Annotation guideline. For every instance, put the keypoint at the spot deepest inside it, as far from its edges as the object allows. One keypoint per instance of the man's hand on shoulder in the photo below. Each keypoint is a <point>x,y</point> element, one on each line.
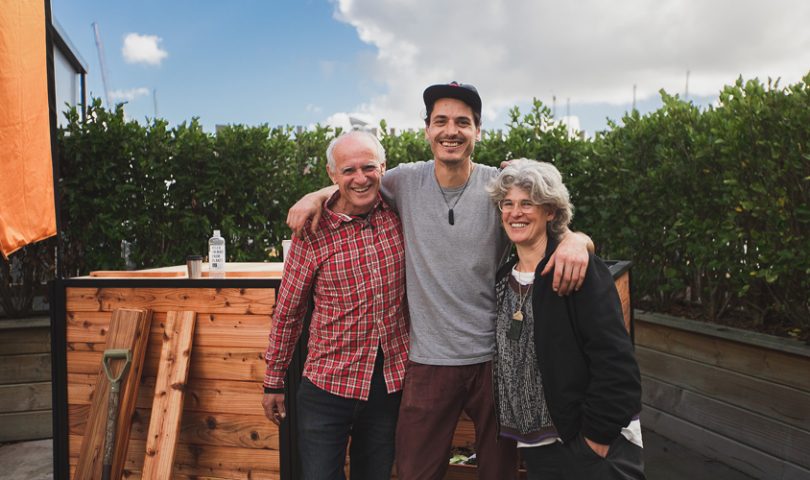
<point>569,262</point>
<point>310,206</point>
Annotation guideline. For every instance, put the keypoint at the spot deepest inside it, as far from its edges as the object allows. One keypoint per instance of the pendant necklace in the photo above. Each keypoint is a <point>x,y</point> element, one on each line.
<point>516,325</point>
<point>518,315</point>
<point>450,217</point>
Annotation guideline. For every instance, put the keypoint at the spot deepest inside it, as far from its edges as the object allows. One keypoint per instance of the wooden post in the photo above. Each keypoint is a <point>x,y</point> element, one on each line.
<point>167,406</point>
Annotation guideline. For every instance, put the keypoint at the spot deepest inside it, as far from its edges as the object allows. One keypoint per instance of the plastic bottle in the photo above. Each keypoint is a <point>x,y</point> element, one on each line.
<point>216,256</point>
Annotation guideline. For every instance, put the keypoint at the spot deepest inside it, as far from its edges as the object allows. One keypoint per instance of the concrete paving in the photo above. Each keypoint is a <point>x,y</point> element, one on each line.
<point>27,460</point>
<point>664,460</point>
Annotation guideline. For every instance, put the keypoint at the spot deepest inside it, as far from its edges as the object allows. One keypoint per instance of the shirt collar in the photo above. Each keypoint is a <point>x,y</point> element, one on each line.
<point>334,219</point>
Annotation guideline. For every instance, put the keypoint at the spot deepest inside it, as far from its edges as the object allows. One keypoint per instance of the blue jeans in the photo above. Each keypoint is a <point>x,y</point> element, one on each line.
<point>326,421</point>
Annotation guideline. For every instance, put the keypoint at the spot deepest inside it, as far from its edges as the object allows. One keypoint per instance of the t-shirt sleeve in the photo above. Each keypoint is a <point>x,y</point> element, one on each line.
<point>392,185</point>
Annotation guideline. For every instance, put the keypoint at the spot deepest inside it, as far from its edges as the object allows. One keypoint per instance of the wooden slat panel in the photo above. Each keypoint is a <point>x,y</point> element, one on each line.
<point>25,426</point>
<point>25,340</point>
<point>201,300</point>
<point>623,287</point>
<point>786,404</point>
<point>461,472</point>
<point>216,396</point>
<point>212,329</point>
<point>255,474</point>
<point>87,327</point>
<point>749,428</point>
<point>82,299</point>
<point>785,368</point>
<point>198,428</point>
<point>204,460</point>
<point>167,407</point>
<point>223,363</point>
<point>213,396</point>
<point>746,459</point>
<point>25,368</point>
<point>464,435</point>
<point>128,330</point>
<point>232,330</point>
<point>229,363</point>
<point>24,397</point>
<point>137,274</point>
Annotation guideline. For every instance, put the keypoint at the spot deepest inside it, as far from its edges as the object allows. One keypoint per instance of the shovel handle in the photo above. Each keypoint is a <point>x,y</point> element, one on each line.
<point>109,438</point>
<point>112,410</point>
<point>116,354</point>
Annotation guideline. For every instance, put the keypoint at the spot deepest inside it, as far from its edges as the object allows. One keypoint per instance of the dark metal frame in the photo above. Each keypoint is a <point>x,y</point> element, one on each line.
<point>617,268</point>
<point>290,463</point>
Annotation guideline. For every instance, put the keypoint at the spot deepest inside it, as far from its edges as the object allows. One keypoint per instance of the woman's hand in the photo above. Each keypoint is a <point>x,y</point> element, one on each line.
<point>598,448</point>
<point>571,262</point>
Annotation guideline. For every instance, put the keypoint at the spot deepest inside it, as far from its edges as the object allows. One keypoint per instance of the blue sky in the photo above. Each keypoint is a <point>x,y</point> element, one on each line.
<point>317,61</point>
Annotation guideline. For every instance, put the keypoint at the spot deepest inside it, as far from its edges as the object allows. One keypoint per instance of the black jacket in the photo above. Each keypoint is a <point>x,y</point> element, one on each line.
<point>590,376</point>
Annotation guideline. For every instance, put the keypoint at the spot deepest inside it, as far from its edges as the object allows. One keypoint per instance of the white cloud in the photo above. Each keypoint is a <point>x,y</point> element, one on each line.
<point>143,49</point>
<point>128,95</point>
<point>589,51</point>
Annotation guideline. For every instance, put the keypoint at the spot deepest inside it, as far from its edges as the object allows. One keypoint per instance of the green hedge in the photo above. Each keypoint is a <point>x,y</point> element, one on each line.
<point>712,204</point>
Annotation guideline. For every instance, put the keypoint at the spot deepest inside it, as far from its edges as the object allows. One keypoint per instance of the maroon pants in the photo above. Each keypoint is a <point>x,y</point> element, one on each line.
<point>432,400</point>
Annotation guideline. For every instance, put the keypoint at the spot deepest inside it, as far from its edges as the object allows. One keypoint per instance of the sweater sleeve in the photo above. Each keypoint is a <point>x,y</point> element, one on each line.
<point>613,395</point>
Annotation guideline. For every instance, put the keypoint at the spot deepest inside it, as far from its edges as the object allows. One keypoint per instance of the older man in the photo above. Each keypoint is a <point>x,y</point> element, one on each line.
<point>355,267</point>
<point>453,242</point>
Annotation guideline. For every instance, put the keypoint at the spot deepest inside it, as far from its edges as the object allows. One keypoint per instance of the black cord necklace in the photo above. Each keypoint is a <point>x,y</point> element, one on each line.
<point>450,217</point>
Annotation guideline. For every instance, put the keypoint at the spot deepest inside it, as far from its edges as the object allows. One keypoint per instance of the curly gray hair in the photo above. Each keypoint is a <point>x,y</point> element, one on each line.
<point>543,182</point>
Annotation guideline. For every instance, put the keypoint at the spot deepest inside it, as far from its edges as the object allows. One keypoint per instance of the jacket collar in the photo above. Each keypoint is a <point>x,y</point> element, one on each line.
<point>551,246</point>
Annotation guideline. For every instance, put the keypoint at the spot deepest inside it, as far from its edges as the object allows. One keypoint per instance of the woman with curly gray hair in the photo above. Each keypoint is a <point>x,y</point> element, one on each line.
<point>567,386</point>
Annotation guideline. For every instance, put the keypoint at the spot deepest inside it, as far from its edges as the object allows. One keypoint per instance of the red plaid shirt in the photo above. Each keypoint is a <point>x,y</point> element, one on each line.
<point>356,269</point>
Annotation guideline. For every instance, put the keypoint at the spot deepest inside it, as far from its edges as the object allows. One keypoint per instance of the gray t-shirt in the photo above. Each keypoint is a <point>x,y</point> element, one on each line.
<point>450,269</point>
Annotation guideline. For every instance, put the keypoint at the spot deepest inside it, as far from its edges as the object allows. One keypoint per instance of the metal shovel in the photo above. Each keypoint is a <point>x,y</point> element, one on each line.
<point>112,411</point>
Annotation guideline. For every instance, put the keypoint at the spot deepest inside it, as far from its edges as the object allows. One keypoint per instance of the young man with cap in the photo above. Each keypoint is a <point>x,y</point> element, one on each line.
<point>354,267</point>
<point>453,244</point>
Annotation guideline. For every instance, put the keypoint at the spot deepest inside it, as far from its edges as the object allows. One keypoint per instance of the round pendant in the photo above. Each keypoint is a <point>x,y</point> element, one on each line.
<point>517,316</point>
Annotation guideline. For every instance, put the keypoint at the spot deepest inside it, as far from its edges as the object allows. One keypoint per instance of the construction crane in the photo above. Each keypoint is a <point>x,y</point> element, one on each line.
<point>103,65</point>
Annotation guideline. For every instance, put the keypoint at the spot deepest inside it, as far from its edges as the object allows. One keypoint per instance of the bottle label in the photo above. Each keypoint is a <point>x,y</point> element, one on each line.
<point>216,255</point>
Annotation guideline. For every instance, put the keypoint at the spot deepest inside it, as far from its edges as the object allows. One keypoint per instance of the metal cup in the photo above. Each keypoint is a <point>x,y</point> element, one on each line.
<point>194,266</point>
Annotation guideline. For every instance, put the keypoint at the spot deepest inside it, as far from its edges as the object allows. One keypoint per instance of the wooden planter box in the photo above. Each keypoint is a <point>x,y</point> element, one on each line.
<point>224,433</point>
<point>25,379</point>
<point>740,397</point>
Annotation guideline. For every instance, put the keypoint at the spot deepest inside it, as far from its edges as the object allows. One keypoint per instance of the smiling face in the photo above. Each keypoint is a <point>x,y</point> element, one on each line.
<point>451,131</point>
<point>357,174</point>
<point>525,222</point>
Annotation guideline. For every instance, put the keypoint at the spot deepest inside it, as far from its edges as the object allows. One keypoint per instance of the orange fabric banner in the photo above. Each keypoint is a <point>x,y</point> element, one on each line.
<point>27,211</point>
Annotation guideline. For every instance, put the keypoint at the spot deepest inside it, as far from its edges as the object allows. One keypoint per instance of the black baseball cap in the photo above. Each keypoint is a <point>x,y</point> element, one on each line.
<point>460,91</point>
